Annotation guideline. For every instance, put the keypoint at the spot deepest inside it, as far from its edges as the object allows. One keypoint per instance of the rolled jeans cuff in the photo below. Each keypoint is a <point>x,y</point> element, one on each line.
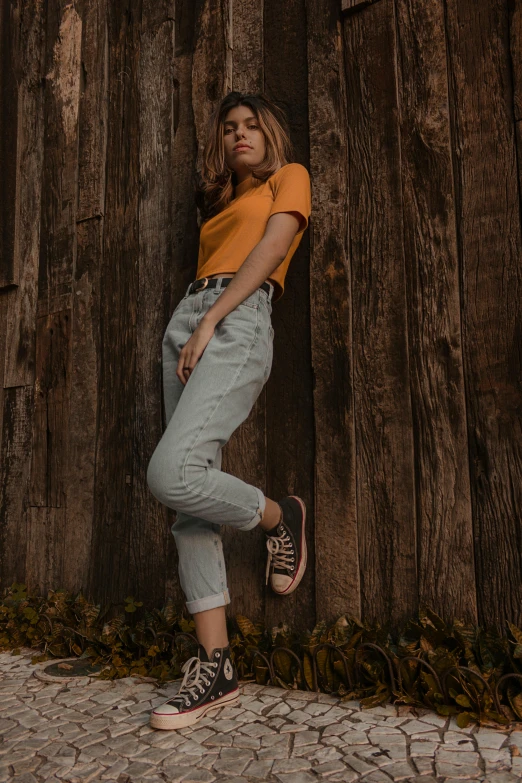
<point>210,602</point>
<point>258,516</point>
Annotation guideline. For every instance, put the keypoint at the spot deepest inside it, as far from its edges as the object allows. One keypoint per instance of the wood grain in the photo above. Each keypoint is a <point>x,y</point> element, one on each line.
<point>9,138</point>
<point>393,405</point>
<point>87,295</point>
<point>443,505</point>
<point>335,513</point>
<point>290,414</point>
<point>148,531</point>
<point>245,453</point>
<point>110,575</point>
<point>488,216</point>
<point>384,438</point>
<point>14,483</point>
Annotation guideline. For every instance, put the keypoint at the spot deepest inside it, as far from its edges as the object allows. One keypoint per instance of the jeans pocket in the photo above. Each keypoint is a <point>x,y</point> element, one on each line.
<point>251,301</point>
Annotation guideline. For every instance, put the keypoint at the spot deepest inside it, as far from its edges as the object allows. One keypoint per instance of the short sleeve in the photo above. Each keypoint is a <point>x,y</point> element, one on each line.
<point>291,191</point>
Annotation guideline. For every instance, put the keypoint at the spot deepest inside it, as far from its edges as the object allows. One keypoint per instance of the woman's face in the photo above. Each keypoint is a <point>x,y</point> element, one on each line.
<point>240,127</point>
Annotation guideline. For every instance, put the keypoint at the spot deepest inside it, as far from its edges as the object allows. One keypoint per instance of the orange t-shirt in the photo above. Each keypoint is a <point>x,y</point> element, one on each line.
<point>227,238</point>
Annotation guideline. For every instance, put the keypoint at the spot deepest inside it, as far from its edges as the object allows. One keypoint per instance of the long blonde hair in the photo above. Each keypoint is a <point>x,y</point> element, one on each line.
<point>216,180</point>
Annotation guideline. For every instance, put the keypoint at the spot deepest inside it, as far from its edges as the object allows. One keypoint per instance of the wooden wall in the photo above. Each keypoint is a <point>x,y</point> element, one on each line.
<point>395,400</point>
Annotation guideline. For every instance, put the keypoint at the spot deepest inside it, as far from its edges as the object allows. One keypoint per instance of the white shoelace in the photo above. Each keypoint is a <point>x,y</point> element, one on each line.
<point>280,553</point>
<point>196,669</point>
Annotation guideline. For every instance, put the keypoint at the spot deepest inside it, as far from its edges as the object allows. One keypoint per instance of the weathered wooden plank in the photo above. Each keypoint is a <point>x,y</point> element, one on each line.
<point>444,523</point>
<point>51,396</point>
<point>147,529</point>
<point>336,544</point>
<point>515,39</point>
<point>109,576</point>
<point>59,181</point>
<point>3,351</point>
<point>14,480</point>
<point>85,301</point>
<point>56,262</point>
<point>184,231</point>
<point>47,553</point>
<point>210,79</point>
<point>290,415</point>
<point>22,303</point>
<point>9,135</point>
<point>246,45</point>
<point>384,441</point>
<point>244,455</point>
<point>490,244</point>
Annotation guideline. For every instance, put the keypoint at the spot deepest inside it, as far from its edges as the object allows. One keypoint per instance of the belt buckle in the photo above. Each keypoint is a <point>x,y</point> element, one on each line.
<point>200,287</point>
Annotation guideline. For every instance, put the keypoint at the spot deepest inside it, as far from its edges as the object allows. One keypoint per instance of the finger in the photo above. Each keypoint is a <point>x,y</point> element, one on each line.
<point>185,374</point>
<point>181,365</point>
<point>181,373</point>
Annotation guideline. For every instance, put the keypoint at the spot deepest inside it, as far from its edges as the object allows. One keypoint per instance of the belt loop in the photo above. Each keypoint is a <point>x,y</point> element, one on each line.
<point>219,280</point>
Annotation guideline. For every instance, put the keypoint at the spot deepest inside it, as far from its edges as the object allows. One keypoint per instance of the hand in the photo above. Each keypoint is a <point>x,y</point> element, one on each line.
<point>193,349</point>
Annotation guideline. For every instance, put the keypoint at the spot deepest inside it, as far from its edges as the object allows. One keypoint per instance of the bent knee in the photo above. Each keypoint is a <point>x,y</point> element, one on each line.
<point>164,478</point>
<point>172,482</point>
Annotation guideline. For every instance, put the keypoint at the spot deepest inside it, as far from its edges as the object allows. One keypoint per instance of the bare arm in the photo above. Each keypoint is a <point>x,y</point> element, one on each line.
<point>266,256</point>
<point>258,265</point>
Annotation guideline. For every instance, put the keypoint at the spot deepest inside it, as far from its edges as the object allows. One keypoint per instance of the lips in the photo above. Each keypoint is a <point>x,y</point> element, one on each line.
<point>242,147</point>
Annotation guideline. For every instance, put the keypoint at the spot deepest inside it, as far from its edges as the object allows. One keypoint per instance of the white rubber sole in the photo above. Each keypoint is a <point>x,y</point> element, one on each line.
<point>180,721</point>
<point>302,565</point>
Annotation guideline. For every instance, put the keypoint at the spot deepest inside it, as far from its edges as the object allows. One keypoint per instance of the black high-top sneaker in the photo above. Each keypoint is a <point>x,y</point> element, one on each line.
<point>208,683</point>
<point>286,546</point>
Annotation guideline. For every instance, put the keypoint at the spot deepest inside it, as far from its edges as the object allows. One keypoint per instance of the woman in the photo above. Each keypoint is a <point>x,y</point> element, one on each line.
<point>217,355</point>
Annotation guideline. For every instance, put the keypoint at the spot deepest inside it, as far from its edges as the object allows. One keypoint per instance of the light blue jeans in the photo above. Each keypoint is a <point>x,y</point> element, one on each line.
<point>184,472</point>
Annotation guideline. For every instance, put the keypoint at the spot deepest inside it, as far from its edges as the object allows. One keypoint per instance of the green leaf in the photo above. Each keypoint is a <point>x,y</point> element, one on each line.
<point>463,720</point>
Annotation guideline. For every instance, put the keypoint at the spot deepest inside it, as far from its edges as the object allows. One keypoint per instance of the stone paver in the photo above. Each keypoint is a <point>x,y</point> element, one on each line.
<point>95,731</point>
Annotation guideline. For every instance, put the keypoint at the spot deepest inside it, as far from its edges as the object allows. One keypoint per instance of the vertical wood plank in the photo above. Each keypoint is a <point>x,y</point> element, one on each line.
<point>59,181</point>
<point>22,301</point>
<point>444,524</point>
<point>18,304</point>
<point>55,275</point>
<point>184,231</point>
<point>149,545</point>
<point>46,555</point>
<point>244,455</point>
<point>385,474</point>
<point>490,244</point>
<point>9,134</point>
<point>289,392</point>
<point>335,513</point>
<point>515,39</point>
<point>110,576</point>
<point>51,396</point>
<point>14,480</point>
<point>85,300</point>
<point>56,260</point>
<point>209,75</point>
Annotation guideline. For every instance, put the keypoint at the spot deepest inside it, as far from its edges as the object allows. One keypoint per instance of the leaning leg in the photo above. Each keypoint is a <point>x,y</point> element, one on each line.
<point>217,398</point>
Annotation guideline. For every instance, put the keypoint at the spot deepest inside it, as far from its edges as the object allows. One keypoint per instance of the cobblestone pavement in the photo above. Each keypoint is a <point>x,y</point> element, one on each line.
<point>96,731</point>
